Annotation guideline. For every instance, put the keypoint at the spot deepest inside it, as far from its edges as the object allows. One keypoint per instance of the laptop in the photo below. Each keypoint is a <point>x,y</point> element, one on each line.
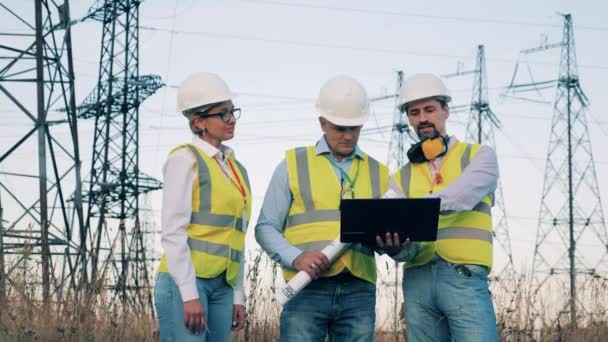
<point>362,219</point>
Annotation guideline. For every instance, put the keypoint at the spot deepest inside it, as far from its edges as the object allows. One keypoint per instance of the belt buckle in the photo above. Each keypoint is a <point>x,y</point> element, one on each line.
<point>343,276</point>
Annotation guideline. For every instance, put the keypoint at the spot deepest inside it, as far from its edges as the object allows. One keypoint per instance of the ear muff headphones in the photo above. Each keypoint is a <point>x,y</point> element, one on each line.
<point>428,149</point>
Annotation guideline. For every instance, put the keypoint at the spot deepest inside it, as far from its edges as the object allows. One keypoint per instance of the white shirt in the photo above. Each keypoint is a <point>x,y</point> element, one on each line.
<point>178,179</point>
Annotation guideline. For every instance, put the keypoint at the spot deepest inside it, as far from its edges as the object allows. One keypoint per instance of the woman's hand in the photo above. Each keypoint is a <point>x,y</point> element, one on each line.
<point>194,316</point>
<point>238,317</point>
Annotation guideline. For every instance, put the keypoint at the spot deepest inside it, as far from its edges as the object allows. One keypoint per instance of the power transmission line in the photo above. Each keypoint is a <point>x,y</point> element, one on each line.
<point>242,37</point>
<point>419,15</point>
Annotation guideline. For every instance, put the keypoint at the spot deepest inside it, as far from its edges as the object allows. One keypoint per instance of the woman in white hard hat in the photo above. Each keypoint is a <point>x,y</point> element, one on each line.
<point>206,206</point>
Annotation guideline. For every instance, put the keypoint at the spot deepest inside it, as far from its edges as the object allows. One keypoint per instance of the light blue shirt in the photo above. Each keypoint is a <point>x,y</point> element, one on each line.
<point>278,199</point>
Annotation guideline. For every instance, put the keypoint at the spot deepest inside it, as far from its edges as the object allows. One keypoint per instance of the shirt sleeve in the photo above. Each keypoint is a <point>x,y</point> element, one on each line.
<point>477,181</point>
<point>178,177</point>
<point>269,229</point>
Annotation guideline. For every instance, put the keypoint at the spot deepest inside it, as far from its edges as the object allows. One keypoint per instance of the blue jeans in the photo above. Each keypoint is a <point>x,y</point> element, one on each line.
<point>448,302</point>
<point>343,307</point>
<point>215,296</point>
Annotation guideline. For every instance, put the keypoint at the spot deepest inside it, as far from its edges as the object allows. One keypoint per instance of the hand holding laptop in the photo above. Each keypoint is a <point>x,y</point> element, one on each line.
<point>392,244</point>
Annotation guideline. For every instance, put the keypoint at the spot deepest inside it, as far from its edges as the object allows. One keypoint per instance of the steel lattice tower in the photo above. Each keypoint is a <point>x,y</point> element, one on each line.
<point>399,134</point>
<point>480,130</point>
<point>38,55</point>
<point>115,179</point>
<point>571,212</point>
<point>571,206</point>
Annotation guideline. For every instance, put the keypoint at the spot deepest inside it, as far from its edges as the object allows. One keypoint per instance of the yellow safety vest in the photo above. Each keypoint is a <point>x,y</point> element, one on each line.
<point>314,218</point>
<point>216,234</point>
<point>463,237</point>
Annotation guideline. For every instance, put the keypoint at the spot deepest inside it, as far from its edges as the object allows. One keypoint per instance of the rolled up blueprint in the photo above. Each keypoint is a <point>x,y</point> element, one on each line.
<point>301,279</point>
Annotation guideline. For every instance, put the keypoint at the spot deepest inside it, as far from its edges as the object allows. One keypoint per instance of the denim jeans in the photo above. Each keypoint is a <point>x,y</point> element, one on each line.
<point>341,307</point>
<point>448,302</point>
<point>215,296</point>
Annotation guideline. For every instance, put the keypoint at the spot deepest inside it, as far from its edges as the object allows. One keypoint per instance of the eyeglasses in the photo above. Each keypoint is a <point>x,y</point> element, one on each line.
<point>225,114</point>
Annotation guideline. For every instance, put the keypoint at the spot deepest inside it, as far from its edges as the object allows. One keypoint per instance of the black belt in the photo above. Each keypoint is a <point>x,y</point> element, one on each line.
<point>341,277</point>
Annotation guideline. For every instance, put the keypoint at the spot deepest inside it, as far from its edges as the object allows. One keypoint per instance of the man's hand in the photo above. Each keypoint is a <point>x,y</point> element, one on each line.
<point>194,316</point>
<point>392,244</point>
<point>312,262</point>
<point>238,317</point>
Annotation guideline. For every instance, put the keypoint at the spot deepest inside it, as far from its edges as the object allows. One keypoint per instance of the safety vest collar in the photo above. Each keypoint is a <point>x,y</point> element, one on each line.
<point>406,171</point>
<point>203,215</point>
<point>304,179</point>
<point>322,148</point>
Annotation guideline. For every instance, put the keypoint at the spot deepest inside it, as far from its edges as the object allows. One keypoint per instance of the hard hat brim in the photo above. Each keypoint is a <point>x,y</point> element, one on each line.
<point>188,113</point>
<point>445,98</point>
<point>338,121</point>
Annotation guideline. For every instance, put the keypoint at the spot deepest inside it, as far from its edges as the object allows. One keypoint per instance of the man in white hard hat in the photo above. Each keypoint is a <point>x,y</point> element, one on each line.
<point>445,283</point>
<point>300,217</point>
<point>206,206</point>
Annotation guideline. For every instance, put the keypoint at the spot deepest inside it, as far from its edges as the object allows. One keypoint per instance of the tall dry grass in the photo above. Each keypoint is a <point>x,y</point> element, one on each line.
<point>23,317</point>
<point>522,314</point>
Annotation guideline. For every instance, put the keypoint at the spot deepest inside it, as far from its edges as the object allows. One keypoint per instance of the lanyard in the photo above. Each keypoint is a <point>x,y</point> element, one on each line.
<point>344,174</point>
<point>238,185</point>
<point>437,172</point>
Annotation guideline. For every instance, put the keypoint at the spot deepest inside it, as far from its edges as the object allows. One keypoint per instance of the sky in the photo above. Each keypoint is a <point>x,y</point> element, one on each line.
<point>277,54</point>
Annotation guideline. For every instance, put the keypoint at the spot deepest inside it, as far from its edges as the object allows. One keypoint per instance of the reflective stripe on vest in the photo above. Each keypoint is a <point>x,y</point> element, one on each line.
<point>319,245</point>
<point>304,178</point>
<point>464,233</point>
<point>214,249</point>
<point>311,217</point>
<point>208,219</point>
<point>322,221</point>
<point>374,172</point>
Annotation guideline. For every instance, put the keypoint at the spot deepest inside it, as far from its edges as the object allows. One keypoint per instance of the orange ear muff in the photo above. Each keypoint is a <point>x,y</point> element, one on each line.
<point>433,148</point>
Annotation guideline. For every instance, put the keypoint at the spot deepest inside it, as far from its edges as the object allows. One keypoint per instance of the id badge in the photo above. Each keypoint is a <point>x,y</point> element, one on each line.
<point>348,192</point>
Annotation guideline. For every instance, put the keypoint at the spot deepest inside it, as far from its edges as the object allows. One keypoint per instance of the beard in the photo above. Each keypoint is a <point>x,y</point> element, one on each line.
<point>427,135</point>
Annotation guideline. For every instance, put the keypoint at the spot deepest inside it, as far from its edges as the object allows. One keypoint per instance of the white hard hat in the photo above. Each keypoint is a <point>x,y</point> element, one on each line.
<point>343,101</point>
<point>199,90</point>
<point>422,86</point>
